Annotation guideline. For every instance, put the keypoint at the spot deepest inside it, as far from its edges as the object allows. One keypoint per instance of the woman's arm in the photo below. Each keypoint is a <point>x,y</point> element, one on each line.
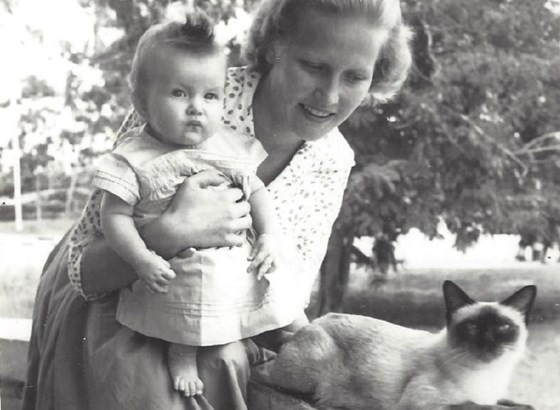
<point>203,213</point>
<point>102,270</point>
<point>200,215</point>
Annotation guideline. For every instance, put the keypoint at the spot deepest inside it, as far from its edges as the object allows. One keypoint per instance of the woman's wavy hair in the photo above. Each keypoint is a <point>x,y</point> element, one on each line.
<point>273,19</point>
<point>194,35</point>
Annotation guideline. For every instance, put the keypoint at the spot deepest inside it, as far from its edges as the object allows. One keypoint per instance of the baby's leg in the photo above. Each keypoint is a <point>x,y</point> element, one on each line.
<point>181,360</point>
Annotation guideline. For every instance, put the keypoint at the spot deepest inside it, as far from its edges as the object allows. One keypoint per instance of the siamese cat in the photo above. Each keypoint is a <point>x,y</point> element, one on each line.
<point>359,363</point>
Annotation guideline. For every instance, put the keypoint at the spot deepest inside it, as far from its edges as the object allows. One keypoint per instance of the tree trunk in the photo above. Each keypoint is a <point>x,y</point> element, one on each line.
<point>38,200</point>
<point>335,272</point>
<point>69,208</point>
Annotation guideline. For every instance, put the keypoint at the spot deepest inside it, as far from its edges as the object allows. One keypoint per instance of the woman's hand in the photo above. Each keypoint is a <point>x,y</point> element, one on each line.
<point>204,212</point>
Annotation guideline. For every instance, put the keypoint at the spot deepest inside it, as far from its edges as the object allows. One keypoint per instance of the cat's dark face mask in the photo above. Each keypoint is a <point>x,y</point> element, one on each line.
<point>485,331</point>
<point>486,335</point>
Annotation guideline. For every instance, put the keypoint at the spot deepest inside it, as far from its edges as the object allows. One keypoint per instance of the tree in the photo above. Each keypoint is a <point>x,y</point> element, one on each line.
<point>60,99</point>
<point>471,139</point>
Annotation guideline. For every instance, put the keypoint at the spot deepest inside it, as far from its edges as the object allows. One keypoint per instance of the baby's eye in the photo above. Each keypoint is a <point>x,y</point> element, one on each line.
<point>178,93</point>
<point>212,96</point>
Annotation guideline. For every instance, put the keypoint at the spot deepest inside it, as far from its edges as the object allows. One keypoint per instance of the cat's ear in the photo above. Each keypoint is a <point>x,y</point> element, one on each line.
<point>522,300</point>
<point>455,298</point>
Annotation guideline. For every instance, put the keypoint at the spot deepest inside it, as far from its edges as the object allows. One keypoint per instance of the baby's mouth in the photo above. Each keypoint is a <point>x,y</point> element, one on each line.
<point>320,114</point>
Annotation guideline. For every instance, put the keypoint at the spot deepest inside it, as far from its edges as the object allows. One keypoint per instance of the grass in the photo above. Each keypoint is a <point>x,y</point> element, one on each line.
<point>413,298</point>
<point>416,298</point>
<point>22,255</point>
<point>44,228</point>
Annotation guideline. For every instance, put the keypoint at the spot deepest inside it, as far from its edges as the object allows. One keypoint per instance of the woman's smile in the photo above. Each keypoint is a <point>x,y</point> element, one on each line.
<point>316,114</point>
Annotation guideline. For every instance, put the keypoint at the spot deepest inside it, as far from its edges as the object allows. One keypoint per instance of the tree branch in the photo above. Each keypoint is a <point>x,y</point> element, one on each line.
<point>525,151</point>
<point>511,155</point>
<point>554,135</point>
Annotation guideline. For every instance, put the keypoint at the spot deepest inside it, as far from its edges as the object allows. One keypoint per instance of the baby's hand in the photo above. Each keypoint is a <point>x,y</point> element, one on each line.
<point>156,273</point>
<point>264,256</point>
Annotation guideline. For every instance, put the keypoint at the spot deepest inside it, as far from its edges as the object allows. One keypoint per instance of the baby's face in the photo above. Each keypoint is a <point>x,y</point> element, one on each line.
<point>184,95</point>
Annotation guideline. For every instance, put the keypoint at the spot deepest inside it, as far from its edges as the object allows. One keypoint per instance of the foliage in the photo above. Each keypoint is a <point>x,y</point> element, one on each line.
<point>473,137</point>
<point>73,122</point>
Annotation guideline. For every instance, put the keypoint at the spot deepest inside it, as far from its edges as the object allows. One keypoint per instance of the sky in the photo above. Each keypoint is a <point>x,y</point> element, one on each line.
<point>28,55</point>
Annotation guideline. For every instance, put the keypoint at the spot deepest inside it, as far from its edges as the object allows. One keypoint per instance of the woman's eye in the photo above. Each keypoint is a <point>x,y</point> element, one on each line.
<point>312,66</point>
<point>355,78</point>
<point>178,93</point>
<point>212,96</point>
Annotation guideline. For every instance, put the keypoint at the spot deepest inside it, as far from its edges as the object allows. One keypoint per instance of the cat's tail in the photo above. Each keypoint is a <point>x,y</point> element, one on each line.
<point>302,362</point>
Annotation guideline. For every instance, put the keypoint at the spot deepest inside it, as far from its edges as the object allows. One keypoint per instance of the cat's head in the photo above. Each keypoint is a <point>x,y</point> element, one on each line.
<point>487,329</point>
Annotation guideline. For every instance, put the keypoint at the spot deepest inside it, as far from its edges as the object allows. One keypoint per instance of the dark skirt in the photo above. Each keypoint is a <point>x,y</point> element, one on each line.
<point>81,358</point>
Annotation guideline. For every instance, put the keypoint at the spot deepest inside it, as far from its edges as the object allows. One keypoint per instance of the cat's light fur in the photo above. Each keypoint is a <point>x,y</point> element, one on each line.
<point>357,362</point>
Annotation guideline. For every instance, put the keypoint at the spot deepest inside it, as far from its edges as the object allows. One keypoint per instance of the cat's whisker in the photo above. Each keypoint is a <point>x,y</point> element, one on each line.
<point>458,355</point>
<point>528,359</point>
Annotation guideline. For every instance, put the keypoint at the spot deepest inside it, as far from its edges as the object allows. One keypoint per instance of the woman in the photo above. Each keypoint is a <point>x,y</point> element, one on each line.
<point>313,62</point>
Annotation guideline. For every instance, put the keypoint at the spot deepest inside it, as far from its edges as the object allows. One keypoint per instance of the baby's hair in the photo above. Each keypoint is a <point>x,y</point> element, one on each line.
<point>274,18</point>
<point>195,36</point>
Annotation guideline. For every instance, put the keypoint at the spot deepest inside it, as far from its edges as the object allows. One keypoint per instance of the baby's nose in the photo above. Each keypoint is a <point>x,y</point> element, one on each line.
<point>194,107</point>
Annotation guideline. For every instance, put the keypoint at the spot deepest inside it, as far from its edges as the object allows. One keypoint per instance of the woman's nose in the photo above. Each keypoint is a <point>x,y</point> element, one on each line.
<point>329,91</point>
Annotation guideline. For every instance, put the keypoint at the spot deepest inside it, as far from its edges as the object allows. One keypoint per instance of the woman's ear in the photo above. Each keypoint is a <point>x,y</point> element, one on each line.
<point>273,53</point>
<point>139,103</point>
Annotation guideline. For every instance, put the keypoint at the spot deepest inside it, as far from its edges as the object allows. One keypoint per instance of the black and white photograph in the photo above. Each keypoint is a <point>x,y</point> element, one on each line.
<point>280,205</point>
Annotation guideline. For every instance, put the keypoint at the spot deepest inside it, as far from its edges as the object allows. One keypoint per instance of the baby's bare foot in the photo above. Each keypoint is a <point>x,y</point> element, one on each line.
<point>181,361</point>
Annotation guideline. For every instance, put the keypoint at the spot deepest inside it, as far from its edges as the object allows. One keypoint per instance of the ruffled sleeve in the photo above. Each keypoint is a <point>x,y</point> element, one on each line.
<point>116,176</point>
<point>89,224</point>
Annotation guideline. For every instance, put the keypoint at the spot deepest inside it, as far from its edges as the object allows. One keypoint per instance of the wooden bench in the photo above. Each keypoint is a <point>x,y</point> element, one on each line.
<point>14,342</point>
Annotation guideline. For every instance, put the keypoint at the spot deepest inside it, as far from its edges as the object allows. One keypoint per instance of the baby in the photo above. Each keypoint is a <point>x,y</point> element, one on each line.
<point>201,297</point>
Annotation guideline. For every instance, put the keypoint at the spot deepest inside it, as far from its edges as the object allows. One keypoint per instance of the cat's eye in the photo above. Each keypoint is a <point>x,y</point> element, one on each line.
<point>504,327</point>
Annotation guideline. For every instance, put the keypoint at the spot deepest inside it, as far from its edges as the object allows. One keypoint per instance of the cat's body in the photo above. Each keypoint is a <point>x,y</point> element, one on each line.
<point>356,362</point>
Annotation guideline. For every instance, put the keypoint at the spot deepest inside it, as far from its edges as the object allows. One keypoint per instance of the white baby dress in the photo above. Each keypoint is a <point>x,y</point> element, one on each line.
<point>212,300</point>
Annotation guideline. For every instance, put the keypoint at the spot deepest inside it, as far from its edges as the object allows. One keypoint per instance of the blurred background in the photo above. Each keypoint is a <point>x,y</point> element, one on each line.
<point>457,178</point>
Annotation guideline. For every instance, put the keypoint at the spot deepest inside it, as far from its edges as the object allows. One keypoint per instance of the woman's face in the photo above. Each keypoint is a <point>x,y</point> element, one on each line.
<point>322,70</point>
